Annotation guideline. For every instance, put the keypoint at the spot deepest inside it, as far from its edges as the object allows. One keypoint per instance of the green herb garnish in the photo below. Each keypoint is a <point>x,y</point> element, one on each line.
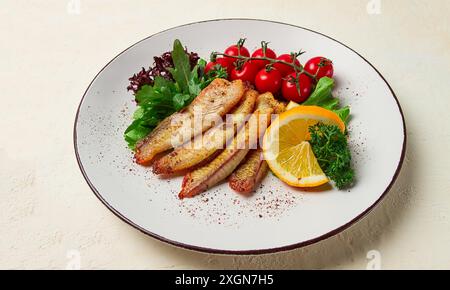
<point>331,149</point>
<point>322,97</point>
<point>166,97</point>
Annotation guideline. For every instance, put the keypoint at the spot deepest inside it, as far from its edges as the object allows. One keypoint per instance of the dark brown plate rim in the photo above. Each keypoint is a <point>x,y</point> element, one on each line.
<point>243,252</point>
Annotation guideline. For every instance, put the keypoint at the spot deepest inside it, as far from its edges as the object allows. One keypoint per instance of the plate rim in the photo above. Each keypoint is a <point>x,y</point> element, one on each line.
<point>242,252</point>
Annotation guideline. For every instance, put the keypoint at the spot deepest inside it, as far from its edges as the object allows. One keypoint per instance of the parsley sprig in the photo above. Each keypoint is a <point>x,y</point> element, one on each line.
<point>331,149</point>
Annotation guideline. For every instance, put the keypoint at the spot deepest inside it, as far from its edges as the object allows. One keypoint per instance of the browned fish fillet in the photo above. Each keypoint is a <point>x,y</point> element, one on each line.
<point>249,173</point>
<point>223,165</point>
<point>214,101</point>
<point>254,168</point>
<point>202,147</point>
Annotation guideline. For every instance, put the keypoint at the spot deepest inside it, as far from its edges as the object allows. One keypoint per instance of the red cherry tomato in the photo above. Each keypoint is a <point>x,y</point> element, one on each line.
<point>283,68</point>
<point>268,81</point>
<point>219,61</point>
<point>246,73</point>
<point>289,88</point>
<point>321,66</point>
<point>260,53</point>
<point>234,50</point>
<point>225,64</point>
<point>209,66</point>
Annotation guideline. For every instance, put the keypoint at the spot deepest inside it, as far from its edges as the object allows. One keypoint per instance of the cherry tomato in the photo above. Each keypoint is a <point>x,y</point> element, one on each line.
<point>234,50</point>
<point>260,53</point>
<point>246,73</point>
<point>283,68</point>
<point>268,81</point>
<point>225,64</point>
<point>219,61</point>
<point>289,88</point>
<point>209,66</point>
<point>321,66</point>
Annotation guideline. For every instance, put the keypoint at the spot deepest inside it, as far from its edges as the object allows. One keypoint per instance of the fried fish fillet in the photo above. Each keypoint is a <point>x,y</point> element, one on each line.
<point>202,147</point>
<point>223,165</point>
<point>250,173</point>
<point>214,101</point>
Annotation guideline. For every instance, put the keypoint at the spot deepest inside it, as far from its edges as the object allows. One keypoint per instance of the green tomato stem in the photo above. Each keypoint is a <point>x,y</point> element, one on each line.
<point>298,69</point>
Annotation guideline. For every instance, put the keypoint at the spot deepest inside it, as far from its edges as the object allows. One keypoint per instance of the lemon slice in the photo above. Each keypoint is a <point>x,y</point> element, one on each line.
<point>287,150</point>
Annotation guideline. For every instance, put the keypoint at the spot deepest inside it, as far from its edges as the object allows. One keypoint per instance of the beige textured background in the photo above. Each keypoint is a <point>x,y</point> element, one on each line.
<point>48,57</point>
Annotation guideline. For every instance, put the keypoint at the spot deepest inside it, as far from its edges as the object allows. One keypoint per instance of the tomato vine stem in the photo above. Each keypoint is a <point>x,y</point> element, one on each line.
<point>298,69</point>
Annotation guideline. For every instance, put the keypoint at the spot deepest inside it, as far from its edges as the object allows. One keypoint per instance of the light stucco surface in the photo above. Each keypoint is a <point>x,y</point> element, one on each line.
<point>49,217</point>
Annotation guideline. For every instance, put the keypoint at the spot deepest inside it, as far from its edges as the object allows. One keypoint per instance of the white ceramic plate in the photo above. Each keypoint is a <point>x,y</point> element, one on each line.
<point>277,217</point>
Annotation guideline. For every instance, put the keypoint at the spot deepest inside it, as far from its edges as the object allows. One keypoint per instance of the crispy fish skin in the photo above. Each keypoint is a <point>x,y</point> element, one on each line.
<point>254,168</point>
<point>215,100</point>
<point>223,165</point>
<point>195,152</point>
<point>249,173</point>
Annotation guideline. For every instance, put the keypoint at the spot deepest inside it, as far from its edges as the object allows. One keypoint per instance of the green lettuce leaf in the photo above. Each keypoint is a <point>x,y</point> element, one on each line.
<point>181,73</point>
<point>180,100</point>
<point>165,97</point>
<point>322,92</point>
<point>323,97</point>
